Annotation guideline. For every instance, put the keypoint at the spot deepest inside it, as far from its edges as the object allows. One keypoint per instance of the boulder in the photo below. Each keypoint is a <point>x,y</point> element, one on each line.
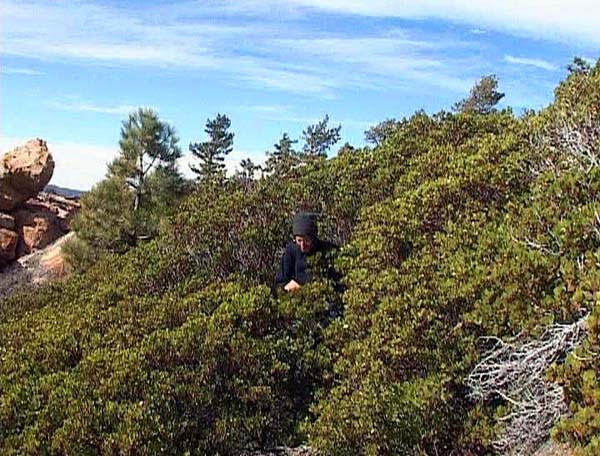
<point>24,172</point>
<point>7,221</point>
<point>36,230</point>
<point>8,245</point>
<point>29,218</point>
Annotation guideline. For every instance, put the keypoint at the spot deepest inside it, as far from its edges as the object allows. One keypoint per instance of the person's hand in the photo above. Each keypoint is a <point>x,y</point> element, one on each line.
<point>292,286</point>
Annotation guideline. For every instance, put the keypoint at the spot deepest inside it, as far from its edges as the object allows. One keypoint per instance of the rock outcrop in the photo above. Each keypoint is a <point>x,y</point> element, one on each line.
<point>36,230</point>
<point>24,172</point>
<point>8,245</point>
<point>35,269</point>
<point>64,209</point>
<point>30,219</point>
<point>7,221</point>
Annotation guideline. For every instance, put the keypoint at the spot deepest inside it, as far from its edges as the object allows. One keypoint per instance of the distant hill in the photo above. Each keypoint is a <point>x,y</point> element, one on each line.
<point>66,192</point>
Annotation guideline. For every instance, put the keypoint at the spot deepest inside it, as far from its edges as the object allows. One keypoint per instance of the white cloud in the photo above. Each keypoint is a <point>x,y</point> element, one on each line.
<point>79,166</point>
<point>187,36</point>
<point>566,21</point>
<point>21,71</point>
<point>478,31</point>
<point>538,63</point>
<point>380,53</point>
<point>288,81</point>
<point>87,30</point>
<point>202,37</point>
<point>560,20</point>
<point>91,33</point>
<point>385,61</point>
<point>120,110</point>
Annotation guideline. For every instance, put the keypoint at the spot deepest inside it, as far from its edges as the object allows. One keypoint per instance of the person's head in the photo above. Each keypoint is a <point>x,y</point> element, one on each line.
<point>305,244</point>
<point>304,231</point>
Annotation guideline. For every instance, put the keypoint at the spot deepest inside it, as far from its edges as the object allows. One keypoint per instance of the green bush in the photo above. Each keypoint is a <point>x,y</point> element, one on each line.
<point>457,226</point>
<point>218,371</point>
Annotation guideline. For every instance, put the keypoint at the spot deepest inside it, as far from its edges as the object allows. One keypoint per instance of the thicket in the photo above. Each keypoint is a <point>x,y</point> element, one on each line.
<point>456,227</point>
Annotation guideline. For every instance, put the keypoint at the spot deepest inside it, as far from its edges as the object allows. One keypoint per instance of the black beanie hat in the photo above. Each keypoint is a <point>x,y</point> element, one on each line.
<point>304,225</point>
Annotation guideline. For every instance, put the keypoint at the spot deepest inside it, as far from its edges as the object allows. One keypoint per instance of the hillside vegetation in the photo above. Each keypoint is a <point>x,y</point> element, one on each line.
<point>457,226</point>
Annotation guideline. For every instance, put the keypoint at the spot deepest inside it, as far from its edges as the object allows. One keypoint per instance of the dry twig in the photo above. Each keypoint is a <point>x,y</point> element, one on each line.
<point>575,144</point>
<point>515,371</point>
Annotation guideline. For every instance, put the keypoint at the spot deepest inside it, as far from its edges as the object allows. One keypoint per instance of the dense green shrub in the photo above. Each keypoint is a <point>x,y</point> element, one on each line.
<point>574,184</point>
<point>220,370</point>
<point>456,226</point>
<point>401,349</point>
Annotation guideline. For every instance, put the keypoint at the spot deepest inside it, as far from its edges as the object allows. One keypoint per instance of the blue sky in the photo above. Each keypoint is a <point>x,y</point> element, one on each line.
<point>70,71</point>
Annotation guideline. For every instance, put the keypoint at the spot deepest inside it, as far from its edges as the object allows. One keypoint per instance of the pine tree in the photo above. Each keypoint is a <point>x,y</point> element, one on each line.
<point>211,153</point>
<point>141,187</point>
<point>319,138</point>
<point>146,144</point>
<point>483,97</point>
<point>245,177</point>
<point>580,66</point>
<point>248,168</point>
<point>105,224</point>
<point>377,134</point>
<point>284,158</point>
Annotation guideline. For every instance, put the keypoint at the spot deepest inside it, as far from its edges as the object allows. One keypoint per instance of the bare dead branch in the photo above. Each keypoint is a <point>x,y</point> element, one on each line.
<point>573,143</point>
<point>515,371</point>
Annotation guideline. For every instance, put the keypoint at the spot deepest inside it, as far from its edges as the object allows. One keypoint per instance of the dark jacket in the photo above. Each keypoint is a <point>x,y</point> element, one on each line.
<point>303,267</point>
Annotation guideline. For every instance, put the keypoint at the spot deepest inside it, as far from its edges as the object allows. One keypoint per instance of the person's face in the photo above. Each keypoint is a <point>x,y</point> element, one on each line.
<point>304,243</point>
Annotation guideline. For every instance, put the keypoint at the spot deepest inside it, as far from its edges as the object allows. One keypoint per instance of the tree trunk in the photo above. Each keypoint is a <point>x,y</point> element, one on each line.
<point>138,191</point>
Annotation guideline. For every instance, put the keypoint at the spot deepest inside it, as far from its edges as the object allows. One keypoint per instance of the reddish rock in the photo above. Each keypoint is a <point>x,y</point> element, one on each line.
<point>9,197</point>
<point>7,221</point>
<point>36,230</point>
<point>35,269</point>
<point>63,208</point>
<point>24,172</point>
<point>30,219</point>
<point>8,245</point>
<point>53,264</point>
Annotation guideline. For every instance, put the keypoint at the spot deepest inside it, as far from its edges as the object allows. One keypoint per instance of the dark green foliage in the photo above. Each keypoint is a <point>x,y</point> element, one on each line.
<point>456,226</point>
<point>579,65</point>
<point>217,371</point>
<point>247,175</point>
<point>284,158</point>
<point>141,187</point>
<point>211,153</point>
<point>248,168</point>
<point>483,97</point>
<point>572,187</point>
<point>319,138</point>
<point>146,144</point>
<point>104,224</point>
<point>402,349</point>
<point>377,134</point>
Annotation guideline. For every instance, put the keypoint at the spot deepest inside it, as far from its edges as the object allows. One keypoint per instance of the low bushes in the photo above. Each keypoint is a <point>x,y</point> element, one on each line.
<point>458,226</point>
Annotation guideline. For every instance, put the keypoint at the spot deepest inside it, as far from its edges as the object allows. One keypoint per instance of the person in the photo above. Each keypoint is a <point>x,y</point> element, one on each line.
<point>306,256</point>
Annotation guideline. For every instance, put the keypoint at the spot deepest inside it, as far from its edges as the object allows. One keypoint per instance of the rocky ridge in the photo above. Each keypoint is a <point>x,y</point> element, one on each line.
<point>29,218</point>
